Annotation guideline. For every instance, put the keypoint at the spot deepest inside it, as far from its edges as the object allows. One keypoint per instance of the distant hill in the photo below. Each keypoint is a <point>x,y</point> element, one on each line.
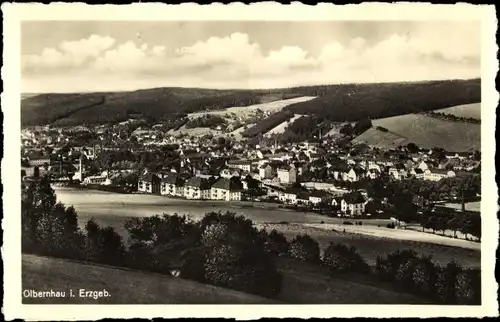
<point>343,102</point>
<point>354,102</point>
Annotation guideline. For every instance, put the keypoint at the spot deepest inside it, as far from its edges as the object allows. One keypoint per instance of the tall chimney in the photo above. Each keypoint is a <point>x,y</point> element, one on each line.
<point>463,201</point>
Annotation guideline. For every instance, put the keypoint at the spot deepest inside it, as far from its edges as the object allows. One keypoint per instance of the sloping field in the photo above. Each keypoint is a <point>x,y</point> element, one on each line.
<point>124,286</point>
<point>429,132</point>
<point>245,111</point>
<point>383,140</point>
<point>280,128</point>
<point>467,110</point>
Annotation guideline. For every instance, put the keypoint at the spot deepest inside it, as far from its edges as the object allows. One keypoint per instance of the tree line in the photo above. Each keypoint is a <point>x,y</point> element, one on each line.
<point>451,117</point>
<point>221,249</point>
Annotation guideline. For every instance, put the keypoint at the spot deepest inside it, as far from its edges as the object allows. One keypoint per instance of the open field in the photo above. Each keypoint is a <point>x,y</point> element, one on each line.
<point>380,139</point>
<point>469,206</point>
<point>467,110</point>
<point>125,286</point>
<point>110,209</point>
<point>429,132</point>
<point>280,128</point>
<point>245,111</point>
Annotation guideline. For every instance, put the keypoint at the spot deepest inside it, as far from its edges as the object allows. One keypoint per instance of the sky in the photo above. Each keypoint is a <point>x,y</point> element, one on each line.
<point>84,56</point>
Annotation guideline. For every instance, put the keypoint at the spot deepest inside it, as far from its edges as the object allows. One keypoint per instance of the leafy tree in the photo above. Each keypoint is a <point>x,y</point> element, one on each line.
<point>103,245</point>
<point>341,259</point>
<point>447,282</point>
<point>304,248</point>
<point>276,243</point>
<point>468,287</point>
<point>242,268</point>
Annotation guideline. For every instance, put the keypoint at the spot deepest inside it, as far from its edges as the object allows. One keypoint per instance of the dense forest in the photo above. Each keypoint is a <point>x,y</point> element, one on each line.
<point>342,102</point>
<point>268,123</point>
<point>354,102</point>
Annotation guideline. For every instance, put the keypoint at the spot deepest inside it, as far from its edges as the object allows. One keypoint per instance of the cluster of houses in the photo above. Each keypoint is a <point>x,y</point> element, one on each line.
<point>231,189</point>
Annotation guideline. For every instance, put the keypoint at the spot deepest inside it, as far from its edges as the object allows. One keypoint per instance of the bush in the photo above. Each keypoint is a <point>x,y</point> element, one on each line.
<point>347,223</point>
<point>468,287</point>
<point>304,248</point>
<point>341,259</point>
<point>391,225</point>
<point>447,282</point>
<point>424,277</point>
<point>389,267</point>
<point>103,245</point>
<point>193,264</point>
<point>276,244</point>
<point>242,268</point>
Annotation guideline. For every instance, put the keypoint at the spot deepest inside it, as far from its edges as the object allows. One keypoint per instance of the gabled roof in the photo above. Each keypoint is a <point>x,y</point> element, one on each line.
<point>320,193</point>
<point>149,177</point>
<point>198,182</point>
<point>173,178</point>
<point>354,198</point>
<point>227,184</point>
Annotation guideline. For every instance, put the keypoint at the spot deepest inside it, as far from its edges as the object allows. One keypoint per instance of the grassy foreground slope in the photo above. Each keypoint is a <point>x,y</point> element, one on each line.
<point>125,286</point>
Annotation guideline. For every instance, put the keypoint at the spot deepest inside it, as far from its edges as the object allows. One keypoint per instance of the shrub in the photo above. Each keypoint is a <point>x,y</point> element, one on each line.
<point>389,267</point>
<point>468,287</point>
<point>242,268</point>
<point>193,264</point>
<point>447,282</point>
<point>276,244</point>
<point>103,245</point>
<point>424,277</point>
<point>305,249</point>
<point>341,259</point>
<point>391,225</point>
<point>347,223</point>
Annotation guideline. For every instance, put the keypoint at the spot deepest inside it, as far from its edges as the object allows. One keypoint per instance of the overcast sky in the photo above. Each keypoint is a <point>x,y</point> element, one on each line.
<point>62,56</point>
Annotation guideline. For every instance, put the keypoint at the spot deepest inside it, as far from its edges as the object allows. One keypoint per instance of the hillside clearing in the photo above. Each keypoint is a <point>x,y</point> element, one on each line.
<point>380,139</point>
<point>429,132</point>
<point>125,286</point>
<point>280,128</point>
<point>246,111</point>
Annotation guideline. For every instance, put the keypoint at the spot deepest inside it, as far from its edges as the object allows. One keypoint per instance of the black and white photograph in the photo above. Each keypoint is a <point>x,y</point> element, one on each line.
<point>253,161</point>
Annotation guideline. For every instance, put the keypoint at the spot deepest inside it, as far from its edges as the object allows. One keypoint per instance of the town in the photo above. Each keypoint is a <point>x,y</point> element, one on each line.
<point>331,175</point>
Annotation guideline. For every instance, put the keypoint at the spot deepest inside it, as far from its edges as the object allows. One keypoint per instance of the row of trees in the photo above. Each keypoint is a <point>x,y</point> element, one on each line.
<point>465,223</point>
<point>451,117</point>
<point>450,284</point>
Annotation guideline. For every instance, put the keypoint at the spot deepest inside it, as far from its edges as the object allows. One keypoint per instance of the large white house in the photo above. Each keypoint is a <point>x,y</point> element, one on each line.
<point>197,188</point>
<point>172,185</point>
<point>287,174</point>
